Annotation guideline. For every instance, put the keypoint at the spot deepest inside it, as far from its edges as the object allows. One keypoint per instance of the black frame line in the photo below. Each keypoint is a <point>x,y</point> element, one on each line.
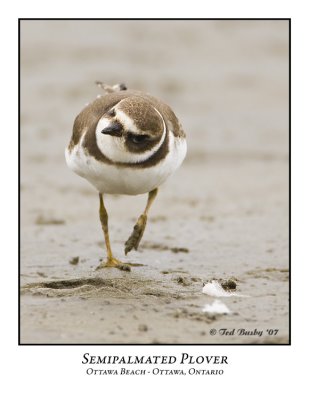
<point>290,215</point>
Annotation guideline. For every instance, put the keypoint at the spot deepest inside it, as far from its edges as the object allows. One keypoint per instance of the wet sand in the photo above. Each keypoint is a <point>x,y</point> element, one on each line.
<point>223,215</point>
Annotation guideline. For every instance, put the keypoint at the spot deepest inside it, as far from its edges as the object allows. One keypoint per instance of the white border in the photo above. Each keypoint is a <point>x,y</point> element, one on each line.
<point>254,372</point>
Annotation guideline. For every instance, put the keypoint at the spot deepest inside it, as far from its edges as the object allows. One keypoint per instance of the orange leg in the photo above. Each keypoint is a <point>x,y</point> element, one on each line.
<point>139,227</point>
<point>111,260</point>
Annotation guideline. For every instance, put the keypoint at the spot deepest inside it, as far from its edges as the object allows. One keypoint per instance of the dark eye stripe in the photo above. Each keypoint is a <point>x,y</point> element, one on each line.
<point>138,138</point>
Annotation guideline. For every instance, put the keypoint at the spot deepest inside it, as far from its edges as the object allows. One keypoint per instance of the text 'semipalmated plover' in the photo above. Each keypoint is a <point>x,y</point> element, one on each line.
<point>125,142</point>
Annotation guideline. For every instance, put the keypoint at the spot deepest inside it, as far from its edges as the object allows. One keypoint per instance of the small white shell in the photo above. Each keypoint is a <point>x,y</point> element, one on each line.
<point>215,289</point>
<point>217,307</point>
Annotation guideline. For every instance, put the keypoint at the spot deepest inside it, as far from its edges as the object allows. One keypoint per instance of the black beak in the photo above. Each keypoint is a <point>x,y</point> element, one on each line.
<point>114,129</point>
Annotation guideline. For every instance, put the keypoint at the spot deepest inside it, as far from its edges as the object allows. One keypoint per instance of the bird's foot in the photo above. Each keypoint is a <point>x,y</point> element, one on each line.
<point>136,235</point>
<point>114,263</point>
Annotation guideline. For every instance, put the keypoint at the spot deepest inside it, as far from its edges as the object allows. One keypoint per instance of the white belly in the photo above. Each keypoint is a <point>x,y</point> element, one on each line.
<point>125,180</point>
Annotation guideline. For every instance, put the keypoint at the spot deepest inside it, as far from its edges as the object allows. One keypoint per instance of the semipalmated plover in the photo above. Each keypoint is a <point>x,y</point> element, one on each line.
<point>125,142</point>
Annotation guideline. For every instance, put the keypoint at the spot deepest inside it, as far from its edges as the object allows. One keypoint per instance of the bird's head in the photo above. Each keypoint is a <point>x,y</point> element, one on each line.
<point>131,131</point>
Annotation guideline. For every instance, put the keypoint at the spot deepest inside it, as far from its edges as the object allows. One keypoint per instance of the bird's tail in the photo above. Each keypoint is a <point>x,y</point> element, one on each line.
<point>111,89</point>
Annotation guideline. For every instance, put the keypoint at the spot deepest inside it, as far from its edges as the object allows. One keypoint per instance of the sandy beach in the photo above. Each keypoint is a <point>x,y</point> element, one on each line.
<point>223,215</point>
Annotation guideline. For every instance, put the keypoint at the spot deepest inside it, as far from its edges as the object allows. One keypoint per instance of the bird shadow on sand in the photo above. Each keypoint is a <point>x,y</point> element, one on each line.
<point>108,287</point>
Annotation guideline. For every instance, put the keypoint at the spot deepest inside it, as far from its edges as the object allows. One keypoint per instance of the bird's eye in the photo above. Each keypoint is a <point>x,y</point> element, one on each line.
<point>137,139</point>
